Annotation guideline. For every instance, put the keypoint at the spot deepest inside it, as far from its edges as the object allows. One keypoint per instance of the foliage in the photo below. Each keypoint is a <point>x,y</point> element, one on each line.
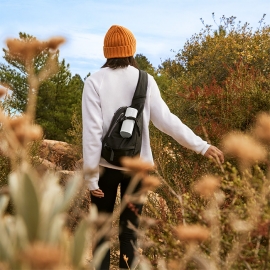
<point>144,64</point>
<point>217,83</point>
<point>220,75</point>
<point>59,98</point>
<point>209,54</point>
<point>75,132</point>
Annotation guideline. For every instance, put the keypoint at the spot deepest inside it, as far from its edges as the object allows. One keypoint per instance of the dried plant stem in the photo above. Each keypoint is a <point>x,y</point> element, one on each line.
<point>32,91</point>
<point>256,251</point>
<point>178,196</point>
<point>215,231</point>
<point>194,254</point>
<point>240,241</point>
<point>254,202</point>
<point>203,262</point>
<point>266,258</point>
<point>191,249</point>
<point>247,265</point>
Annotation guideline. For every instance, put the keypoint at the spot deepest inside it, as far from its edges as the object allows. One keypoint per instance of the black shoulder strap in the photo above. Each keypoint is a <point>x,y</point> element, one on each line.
<point>140,92</point>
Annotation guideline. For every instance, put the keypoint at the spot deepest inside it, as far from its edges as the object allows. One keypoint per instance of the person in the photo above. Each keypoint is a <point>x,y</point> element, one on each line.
<point>104,92</point>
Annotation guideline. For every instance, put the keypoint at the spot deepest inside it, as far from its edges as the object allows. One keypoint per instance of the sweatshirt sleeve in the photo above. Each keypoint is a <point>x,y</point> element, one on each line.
<point>92,133</point>
<point>170,124</point>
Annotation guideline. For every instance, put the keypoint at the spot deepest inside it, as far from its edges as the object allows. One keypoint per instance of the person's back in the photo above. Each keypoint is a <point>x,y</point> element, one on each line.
<point>115,88</point>
<point>104,92</point>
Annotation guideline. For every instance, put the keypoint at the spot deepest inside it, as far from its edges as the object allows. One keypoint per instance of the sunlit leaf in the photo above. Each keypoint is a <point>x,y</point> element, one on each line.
<point>3,203</point>
<point>79,242</point>
<point>26,202</point>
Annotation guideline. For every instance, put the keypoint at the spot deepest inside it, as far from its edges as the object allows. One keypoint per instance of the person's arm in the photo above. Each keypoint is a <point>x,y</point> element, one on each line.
<point>92,133</point>
<point>170,124</point>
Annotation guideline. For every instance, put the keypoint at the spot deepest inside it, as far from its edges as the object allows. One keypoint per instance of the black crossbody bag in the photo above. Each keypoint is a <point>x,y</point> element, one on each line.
<point>114,146</point>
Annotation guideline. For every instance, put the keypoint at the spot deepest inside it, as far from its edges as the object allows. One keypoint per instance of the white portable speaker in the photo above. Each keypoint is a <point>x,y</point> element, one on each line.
<point>128,124</point>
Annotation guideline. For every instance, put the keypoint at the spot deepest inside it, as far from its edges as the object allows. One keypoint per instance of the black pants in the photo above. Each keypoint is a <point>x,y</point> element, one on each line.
<point>108,183</point>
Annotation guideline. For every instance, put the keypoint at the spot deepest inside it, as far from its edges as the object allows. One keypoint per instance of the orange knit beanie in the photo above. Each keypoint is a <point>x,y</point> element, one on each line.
<point>119,42</point>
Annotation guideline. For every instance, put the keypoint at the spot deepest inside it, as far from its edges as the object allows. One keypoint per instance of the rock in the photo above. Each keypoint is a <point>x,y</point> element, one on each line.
<point>42,165</point>
<point>61,154</point>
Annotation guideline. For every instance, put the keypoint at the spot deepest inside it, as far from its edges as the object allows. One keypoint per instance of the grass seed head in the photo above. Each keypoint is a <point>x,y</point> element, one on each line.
<point>150,182</point>
<point>137,165</point>
<point>241,226</point>
<point>262,127</point>
<point>207,185</point>
<point>24,131</point>
<point>34,133</point>
<point>173,264</point>
<point>42,256</point>
<point>125,258</point>
<point>140,251</point>
<point>55,42</point>
<point>3,91</point>
<point>243,147</point>
<point>25,50</point>
<point>192,233</point>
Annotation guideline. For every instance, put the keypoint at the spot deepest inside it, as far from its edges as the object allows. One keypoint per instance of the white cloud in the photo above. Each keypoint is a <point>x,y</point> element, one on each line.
<point>83,45</point>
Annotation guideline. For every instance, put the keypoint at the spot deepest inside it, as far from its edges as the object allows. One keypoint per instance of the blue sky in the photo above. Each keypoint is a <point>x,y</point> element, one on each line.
<point>159,26</point>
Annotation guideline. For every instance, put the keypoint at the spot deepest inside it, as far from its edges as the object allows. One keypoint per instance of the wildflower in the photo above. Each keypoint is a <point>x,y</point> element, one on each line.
<point>42,256</point>
<point>262,127</point>
<point>244,147</point>
<point>192,233</point>
<point>207,186</point>
<point>173,265</point>
<point>150,182</point>
<point>136,164</point>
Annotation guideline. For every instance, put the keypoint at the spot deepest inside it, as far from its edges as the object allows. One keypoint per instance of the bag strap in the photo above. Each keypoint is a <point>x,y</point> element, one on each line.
<point>140,92</point>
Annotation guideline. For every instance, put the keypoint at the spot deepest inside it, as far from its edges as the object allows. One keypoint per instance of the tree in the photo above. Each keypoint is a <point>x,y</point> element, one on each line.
<point>58,97</point>
<point>217,65</point>
<point>144,63</point>
<point>209,54</point>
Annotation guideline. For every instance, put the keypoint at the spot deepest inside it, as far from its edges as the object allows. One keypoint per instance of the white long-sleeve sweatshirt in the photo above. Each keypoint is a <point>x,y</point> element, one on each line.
<point>107,90</point>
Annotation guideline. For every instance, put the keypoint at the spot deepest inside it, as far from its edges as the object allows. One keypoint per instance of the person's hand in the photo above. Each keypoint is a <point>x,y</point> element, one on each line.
<point>97,193</point>
<point>214,153</point>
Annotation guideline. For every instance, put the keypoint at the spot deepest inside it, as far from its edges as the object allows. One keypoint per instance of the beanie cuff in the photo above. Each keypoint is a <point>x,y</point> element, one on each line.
<point>119,51</point>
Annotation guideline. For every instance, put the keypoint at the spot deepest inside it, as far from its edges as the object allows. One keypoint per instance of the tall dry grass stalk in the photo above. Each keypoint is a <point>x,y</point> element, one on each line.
<point>35,236</point>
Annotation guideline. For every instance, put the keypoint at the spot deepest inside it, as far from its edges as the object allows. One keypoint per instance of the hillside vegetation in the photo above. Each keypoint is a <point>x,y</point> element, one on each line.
<point>198,214</point>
